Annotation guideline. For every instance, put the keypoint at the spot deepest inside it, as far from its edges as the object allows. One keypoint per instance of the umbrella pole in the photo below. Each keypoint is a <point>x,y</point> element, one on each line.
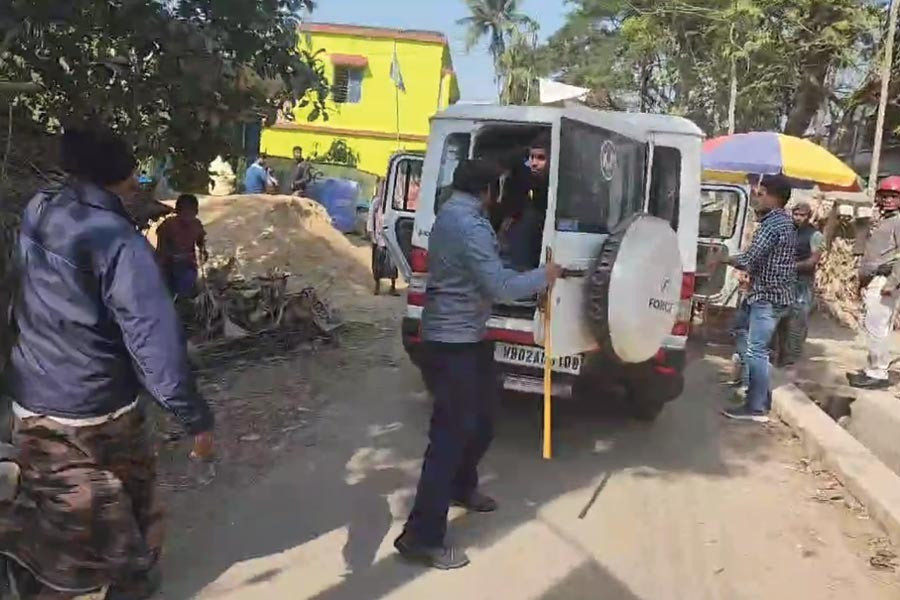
<point>548,375</point>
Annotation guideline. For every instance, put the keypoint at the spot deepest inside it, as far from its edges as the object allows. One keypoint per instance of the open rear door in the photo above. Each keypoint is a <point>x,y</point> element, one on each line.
<point>723,214</point>
<point>621,288</point>
<point>400,198</point>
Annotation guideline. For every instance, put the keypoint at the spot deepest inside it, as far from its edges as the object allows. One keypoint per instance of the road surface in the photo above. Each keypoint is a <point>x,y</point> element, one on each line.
<point>690,507</point>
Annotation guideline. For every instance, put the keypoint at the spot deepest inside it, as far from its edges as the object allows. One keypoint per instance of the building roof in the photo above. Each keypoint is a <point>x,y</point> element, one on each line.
<point>432,37</point>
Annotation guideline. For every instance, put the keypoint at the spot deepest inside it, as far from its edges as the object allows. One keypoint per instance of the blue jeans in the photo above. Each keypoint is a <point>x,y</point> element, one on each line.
<point>798,322</point>
<point>739,327</point>
<point>764,319</point>
<point>461,379</point>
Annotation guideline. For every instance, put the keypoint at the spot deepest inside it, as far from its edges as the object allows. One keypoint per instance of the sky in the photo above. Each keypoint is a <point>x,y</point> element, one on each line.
<point>474,69</point>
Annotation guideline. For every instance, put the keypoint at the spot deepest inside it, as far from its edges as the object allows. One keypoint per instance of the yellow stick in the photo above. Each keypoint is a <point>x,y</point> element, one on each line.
<point>548,374</point>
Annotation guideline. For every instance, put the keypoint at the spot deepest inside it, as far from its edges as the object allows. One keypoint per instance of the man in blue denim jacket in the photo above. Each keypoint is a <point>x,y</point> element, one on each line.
<point>466,277</point>
<point>95,325</point>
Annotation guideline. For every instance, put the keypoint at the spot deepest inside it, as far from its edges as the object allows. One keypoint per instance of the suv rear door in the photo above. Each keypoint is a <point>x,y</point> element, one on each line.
<point>723,213</point>
<point>596,183</point>
<point>400,198</point>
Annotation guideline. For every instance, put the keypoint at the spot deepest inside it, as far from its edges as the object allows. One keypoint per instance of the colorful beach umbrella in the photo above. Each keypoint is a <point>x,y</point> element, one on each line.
<point>735,157</point>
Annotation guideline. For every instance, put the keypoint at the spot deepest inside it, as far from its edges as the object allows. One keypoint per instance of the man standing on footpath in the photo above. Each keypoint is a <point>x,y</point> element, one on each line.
<point>879,278</point>
<point>770,263</point>
<point>466,277</point>
<point>810,245</point>
<point>95,325</point>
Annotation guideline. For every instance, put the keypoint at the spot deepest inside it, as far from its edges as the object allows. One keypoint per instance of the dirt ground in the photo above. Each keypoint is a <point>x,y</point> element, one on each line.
<point>690,507</point>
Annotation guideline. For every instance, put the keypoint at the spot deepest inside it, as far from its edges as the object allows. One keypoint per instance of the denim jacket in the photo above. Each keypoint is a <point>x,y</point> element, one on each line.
<point>466,276</point>
<point>94,318</point>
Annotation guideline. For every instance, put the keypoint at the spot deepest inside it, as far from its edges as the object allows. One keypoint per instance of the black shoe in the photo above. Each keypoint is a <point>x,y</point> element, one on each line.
<point>862,381</point>
<point>444,558</point>
<point>478,502</point>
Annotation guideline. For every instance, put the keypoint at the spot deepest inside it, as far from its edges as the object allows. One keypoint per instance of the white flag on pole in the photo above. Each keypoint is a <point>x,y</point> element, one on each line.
<point>396,75</point>
<point>553,91</point>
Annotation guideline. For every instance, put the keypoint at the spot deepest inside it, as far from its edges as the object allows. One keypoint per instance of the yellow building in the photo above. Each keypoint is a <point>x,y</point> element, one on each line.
<point>367,108</point>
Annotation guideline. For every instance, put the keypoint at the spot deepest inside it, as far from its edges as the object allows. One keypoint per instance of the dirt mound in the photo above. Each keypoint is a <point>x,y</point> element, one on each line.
<point>292,234</point>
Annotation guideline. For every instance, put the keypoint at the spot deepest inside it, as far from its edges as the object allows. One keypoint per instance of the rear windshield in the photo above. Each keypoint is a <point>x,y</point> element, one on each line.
<point>456,148</point>
<point>601,178</point>
<point>665,185</point>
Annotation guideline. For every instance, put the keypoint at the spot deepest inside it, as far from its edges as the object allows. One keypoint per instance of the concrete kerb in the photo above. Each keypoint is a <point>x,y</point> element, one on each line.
<point>861,472</point>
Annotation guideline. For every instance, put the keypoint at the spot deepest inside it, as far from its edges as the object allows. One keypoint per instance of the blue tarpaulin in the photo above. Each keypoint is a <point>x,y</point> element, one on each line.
<point>339,197</point>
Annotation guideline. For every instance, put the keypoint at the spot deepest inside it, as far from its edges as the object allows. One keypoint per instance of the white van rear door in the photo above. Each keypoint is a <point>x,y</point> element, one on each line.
<point>723,214</point>
<point>596,184</point>
<point>399,201</point>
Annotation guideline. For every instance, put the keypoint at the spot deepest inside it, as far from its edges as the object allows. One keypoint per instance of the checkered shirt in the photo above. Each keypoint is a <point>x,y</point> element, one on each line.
<point>769,261</point>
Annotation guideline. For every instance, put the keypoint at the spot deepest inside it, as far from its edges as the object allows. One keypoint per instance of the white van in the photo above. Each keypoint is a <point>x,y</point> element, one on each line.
<point>623,212</point>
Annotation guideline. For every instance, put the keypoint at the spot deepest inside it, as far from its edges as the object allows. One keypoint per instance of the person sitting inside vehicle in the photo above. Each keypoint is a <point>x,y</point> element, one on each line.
<point>522,227</point>
<point>179,239</point>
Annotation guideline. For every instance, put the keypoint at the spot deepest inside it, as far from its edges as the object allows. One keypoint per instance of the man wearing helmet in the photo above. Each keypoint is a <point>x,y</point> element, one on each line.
<point>879,280</point>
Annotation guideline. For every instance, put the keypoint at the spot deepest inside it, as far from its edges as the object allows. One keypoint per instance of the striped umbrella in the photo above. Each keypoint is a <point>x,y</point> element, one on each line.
<point>735,157</point>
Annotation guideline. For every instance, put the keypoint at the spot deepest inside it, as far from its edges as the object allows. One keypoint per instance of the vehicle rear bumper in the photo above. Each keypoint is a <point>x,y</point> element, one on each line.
<point>664,373</point>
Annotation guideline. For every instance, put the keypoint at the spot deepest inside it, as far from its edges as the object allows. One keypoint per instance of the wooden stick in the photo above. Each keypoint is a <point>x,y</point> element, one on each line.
<point>548,374</point>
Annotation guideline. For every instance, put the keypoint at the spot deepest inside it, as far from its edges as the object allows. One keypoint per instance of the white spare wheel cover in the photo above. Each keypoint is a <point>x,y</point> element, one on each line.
<point>634,289</point>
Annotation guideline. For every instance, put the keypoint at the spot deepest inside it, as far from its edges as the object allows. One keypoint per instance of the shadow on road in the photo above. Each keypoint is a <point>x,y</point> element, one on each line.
<point>361,474</point>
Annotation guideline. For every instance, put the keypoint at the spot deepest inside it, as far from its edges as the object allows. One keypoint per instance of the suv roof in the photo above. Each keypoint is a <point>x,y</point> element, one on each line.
<point>640,124</point>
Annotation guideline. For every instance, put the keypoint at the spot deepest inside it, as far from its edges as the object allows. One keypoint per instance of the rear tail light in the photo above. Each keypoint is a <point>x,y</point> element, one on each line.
<point>418,263</point>
<point>418,260</point>
<point>685,307</point>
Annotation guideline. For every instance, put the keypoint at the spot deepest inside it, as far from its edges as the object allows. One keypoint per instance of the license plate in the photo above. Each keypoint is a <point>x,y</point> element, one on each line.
<point>532,356</point>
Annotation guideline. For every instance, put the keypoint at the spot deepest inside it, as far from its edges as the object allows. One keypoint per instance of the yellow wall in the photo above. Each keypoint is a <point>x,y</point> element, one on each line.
<point>374,153</point>
<point>370,127</point>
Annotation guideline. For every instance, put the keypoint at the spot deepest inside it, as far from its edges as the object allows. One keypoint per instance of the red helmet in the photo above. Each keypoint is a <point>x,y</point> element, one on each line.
<point>889,184</point>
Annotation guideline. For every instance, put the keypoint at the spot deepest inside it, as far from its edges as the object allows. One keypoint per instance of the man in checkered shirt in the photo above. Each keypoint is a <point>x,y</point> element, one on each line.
<point>770,263</point>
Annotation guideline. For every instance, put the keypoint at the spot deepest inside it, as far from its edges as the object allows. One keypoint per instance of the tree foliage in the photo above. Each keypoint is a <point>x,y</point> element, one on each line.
<point>677,56</point>
<point>178,78</point>
<point>499,21</point>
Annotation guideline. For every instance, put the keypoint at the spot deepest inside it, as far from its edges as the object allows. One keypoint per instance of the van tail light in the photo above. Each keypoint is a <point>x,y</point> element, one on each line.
<point>418,264</point>
<point>685,307</point>
<point>418,260</point>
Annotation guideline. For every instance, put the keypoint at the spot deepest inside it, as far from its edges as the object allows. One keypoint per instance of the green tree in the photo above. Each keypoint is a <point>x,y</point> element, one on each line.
<point>177,78</point>
<point>496,20</point>
<point>520,67</point>
<point>677,56</point>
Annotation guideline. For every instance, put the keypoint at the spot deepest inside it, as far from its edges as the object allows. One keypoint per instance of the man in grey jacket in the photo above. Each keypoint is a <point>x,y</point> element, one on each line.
<point>879,286</point>
<point>466,277</point>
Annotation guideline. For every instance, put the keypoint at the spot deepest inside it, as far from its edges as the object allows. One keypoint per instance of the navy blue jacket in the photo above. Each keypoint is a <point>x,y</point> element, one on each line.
<point>95,321</point>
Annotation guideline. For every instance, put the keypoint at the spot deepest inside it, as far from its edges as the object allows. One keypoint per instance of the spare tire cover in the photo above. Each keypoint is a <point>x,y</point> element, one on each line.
<point>634,289</point>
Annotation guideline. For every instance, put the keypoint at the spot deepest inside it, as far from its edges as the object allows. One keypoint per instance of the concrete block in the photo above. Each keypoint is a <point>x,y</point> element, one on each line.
<point>875,421</point>
<point>861,472</point>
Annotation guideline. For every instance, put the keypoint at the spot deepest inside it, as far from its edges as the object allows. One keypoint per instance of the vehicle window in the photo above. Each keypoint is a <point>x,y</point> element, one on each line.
<point>719,213</point>
<point>456,148</point>
<point>601,178</point>
<point>407,182</point>
<point>665,185</point>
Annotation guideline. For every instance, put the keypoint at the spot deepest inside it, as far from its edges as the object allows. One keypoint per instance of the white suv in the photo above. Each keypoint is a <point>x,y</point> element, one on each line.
<point>622,217</point>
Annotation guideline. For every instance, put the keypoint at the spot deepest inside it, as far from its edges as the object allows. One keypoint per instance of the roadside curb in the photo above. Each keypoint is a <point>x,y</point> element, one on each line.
<point>861,472</point>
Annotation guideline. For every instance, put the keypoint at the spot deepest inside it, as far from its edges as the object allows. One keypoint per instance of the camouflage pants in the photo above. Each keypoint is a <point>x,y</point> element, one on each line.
<point>87,514</point>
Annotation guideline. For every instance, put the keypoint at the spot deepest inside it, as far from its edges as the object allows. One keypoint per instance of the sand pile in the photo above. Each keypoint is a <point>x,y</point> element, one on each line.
<point>294,235</point>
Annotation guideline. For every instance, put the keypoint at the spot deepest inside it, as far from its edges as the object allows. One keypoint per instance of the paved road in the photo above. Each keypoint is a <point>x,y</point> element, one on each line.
<point>690,507</point>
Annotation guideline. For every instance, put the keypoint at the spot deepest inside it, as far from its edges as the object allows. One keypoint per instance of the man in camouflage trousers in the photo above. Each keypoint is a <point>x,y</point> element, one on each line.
<point>95,325</point>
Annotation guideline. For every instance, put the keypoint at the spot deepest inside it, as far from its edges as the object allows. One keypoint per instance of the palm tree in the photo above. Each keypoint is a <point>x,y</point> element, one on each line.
<point>495,19</point>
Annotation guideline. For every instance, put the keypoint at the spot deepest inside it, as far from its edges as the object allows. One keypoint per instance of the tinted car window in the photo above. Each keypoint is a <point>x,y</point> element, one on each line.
<point>601,178</point>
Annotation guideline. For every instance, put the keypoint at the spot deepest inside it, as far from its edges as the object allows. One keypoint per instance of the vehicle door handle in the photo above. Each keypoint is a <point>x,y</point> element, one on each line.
<point>573,273</point>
